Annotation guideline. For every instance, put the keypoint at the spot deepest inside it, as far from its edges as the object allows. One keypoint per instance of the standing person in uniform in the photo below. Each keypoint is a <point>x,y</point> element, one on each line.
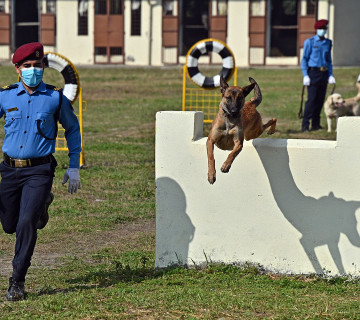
<point>31,110</point>
<point>316,66</point>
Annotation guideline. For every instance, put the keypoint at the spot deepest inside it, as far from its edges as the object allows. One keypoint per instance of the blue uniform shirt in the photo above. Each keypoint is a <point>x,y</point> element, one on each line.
<point>22,110</point>
<point>316,53</point>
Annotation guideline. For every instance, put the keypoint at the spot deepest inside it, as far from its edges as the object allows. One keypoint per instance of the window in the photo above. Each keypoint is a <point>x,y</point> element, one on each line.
<point>100,51</point>
<point>310,7</point>
<point>83,17</point>
<point>51,6</point>
<point>222,7</point>
<point>115,6</point>
<point>168,8</point>
<point>115,51</point>
<point>135,17</point>
<point>257,8</point>
<point>100,6</point>
<point>2,5</point>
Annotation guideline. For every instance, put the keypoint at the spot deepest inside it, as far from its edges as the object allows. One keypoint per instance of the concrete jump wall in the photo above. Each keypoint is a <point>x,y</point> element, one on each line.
<point>290,205</point>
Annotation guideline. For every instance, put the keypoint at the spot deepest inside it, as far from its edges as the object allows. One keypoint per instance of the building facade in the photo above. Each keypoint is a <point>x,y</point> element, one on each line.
<point>160,32</point>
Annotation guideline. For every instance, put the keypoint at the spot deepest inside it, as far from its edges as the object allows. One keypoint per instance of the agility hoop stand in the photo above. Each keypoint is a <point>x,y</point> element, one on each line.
<point>202,93</point>
<point>72,90</point>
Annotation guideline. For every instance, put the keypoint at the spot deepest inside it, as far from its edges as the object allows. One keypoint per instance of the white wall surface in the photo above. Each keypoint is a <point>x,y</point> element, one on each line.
<point>289,205</point>
<point>78,49</point>
<point>238,31</point>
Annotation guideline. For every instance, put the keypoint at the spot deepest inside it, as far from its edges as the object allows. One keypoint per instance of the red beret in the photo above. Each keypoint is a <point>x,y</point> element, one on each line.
<point>321,24</point>
<point>28,51</point>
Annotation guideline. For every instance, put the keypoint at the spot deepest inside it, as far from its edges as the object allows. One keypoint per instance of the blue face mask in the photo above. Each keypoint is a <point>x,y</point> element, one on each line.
<point>32,76</point>
<point>321,32</point>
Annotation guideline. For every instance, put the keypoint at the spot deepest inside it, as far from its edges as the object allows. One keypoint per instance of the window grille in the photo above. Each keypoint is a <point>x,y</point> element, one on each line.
<point>115,6</point>
<point>83,17</point>
<point>135,17</point>
<point>100,51</point>
<point>115,51</point>
<point>100,6</point>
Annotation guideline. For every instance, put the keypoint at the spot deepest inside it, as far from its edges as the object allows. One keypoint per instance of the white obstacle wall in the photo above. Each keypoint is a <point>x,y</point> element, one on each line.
<point>290,205</point>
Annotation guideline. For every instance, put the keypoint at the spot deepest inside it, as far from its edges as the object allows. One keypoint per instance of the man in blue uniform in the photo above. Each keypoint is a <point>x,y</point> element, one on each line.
<point>31,110</point>
<point>316,66</point>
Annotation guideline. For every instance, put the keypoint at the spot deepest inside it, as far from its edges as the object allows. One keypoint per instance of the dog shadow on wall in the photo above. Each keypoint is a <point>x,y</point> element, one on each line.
<point>320,221</point>
<point>174,230</point>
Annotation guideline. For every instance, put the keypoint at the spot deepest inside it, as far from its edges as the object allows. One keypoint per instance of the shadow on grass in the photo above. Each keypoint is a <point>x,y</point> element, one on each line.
<point>103,277</point>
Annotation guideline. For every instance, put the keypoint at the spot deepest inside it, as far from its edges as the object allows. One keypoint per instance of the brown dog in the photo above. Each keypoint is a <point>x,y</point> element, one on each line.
<point>235,121</point>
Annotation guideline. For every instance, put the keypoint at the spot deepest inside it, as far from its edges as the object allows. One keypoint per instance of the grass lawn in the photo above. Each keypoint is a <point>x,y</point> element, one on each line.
<point>95,258</point>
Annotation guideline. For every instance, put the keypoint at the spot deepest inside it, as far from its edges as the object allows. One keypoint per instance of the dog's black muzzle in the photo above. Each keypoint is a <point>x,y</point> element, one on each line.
<point>231,112</point>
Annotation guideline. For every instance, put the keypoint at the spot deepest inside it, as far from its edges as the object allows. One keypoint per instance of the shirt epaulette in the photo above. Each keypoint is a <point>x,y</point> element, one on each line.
<point>12,86</point>
<point>51,87</point>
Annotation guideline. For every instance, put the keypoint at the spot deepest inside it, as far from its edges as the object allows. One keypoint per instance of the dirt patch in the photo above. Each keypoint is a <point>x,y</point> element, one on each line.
<point>123,237</point>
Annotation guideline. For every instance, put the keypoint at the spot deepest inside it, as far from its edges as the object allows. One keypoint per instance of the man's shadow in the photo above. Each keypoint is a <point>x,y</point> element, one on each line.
<point>320,221</point>
<point>174,229</point>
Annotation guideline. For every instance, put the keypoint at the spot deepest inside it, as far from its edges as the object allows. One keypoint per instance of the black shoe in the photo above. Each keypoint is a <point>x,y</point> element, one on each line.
<point>316,128</point>
<point>44,218</point>
<point>305,130</point>
<point>16,290</point>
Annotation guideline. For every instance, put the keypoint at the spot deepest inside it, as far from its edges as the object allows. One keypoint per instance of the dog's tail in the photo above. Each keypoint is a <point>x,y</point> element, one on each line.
<point>257,93</point>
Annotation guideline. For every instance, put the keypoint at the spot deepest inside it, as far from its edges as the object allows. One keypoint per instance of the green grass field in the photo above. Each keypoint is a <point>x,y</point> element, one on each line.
<point>95,258</point>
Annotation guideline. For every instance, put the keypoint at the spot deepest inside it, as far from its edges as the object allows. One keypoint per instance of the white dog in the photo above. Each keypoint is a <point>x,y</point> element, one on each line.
<point>335,106</point>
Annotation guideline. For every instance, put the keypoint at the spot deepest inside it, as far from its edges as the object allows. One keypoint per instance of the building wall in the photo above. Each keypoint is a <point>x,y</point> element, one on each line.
<point>138,51</point>
<point>137,47</point>
<point>78,49</point>
<point>346,46</point>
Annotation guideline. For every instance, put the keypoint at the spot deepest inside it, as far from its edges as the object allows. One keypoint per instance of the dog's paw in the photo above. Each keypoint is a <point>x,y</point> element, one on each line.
<point>270,132</point>
<point>225,168</point>
<point>211,179</point>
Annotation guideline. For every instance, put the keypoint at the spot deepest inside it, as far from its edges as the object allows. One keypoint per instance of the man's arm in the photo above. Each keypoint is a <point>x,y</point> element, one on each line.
<point>70,123</point>
<point>306,57</point>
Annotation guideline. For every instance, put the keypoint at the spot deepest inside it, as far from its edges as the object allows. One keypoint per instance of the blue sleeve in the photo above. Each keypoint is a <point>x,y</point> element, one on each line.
<point>329,60</point>
<point>70,123</point>
<point>306,57</point>
<point>2,111</point>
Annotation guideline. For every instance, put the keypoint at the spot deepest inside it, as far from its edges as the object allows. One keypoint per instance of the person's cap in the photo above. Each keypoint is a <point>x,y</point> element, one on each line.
<point>28,51</point>
<point>321,24</point>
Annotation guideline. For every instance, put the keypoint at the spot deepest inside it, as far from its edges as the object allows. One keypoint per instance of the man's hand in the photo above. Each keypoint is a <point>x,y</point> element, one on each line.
<point>73,175</point>
<point>331,80</point>
<point>306,81</point>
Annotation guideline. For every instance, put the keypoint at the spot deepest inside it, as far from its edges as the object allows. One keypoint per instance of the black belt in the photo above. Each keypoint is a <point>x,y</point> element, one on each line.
<point>23,163</point>
<point>322,69</point>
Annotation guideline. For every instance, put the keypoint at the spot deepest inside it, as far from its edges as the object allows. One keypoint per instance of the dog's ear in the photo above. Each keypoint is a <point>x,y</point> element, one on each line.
<point>223,85</point>
<point>247,89</point>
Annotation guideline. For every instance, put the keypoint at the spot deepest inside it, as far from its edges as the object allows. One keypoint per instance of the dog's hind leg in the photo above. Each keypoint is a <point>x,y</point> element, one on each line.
<point>272,124</point>
<point>233,154</point>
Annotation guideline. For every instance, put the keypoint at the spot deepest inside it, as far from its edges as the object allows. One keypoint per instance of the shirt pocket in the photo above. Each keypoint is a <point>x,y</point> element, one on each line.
<point>12,121</point>
<point>45,122</point>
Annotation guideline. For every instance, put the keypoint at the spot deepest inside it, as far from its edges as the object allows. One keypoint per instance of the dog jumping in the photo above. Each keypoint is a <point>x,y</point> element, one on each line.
<point>335,106</point>
<point>236,120</point>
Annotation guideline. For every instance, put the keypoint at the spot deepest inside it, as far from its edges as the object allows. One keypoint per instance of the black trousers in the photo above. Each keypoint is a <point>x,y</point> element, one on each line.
<point>23,192</point>
<point>316,97</point>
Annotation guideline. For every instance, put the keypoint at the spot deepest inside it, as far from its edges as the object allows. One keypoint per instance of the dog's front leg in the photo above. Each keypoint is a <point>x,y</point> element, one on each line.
<point>329,123</point>
<point>211,161</point>
<point>238,145</point>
